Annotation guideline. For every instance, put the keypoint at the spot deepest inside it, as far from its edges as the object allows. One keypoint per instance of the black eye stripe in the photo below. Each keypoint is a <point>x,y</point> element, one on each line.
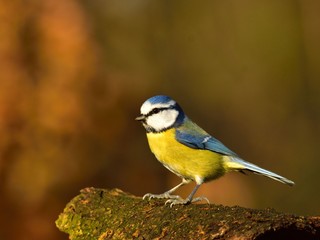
<point>157,110</point>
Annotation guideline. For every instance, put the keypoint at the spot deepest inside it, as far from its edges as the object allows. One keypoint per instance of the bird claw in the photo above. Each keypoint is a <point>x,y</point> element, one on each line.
<point>199,199</point>
<point>173,202</point>
<point>160,196</point>
<point>186,201</point>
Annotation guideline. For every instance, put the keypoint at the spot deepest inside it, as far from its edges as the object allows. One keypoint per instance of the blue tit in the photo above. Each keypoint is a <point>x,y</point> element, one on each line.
<point>187,150</point>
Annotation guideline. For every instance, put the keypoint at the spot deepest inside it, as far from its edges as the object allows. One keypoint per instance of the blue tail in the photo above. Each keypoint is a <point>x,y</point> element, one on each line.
<point>235,163</point>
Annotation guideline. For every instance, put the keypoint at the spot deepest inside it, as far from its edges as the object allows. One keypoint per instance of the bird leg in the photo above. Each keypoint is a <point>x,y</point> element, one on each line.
<point>167,194</point>
<point>188,200</point>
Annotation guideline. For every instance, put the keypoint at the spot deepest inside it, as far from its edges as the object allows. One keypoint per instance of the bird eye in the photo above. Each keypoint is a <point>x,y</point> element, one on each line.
<point>155,110</point>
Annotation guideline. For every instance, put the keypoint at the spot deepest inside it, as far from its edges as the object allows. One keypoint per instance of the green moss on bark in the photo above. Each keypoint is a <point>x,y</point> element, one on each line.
<point>104,214</point>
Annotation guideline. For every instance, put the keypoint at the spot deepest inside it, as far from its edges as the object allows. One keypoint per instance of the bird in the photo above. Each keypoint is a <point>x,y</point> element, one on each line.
<point>188,151</point>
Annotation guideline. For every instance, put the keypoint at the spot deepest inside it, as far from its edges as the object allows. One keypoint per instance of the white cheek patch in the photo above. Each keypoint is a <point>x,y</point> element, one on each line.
<point>163,119</point>
<point>147,106</point>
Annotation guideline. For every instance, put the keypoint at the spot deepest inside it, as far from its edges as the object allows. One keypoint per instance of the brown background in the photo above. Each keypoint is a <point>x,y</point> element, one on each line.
<point>73,75</point>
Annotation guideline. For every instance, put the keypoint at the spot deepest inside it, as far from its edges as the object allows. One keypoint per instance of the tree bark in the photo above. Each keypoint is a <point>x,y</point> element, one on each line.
<point>105,214</point>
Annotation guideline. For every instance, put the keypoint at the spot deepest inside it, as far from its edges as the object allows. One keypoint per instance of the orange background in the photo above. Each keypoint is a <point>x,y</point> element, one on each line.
<point>73,75</point>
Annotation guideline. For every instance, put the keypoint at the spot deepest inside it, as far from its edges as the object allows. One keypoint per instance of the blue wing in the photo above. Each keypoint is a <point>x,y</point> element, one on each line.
<point>193,136</point>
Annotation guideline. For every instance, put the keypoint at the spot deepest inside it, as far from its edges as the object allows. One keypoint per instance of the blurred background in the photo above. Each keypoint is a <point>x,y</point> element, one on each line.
<point>73,75</point>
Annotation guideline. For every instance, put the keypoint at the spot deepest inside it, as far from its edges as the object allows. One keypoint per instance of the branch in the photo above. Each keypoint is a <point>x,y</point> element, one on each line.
<point>104,214</point>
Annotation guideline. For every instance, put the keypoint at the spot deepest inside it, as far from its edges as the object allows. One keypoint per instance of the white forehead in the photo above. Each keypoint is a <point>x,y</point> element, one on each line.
<point>148,106</point>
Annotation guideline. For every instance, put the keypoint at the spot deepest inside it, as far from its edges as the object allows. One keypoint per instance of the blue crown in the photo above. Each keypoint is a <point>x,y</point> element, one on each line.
<point>159,99</point>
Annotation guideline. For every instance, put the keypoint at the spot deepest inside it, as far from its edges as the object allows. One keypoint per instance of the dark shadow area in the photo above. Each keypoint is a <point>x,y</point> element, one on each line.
<point>291,233</point>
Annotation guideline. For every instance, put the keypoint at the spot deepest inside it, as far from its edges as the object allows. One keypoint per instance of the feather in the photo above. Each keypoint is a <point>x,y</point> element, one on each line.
<point>193,136</point>
<point>235,163</point>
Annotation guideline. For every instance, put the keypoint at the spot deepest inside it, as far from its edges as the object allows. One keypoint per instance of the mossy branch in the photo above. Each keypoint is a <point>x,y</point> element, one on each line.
<point>105,214</point>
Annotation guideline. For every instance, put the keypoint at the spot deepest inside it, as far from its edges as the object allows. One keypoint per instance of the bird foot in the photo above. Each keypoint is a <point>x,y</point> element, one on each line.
<point>160,196</point>
<point>186,201</point>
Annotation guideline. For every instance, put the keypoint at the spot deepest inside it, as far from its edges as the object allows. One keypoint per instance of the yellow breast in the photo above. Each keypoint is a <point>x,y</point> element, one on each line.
<point>185,161</point>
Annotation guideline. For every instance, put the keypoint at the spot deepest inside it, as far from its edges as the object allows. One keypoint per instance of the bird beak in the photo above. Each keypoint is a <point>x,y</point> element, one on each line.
<point>141,118</point>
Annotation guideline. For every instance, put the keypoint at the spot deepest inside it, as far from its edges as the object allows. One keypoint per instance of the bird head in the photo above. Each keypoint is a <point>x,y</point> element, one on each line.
<point>160,113</point>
